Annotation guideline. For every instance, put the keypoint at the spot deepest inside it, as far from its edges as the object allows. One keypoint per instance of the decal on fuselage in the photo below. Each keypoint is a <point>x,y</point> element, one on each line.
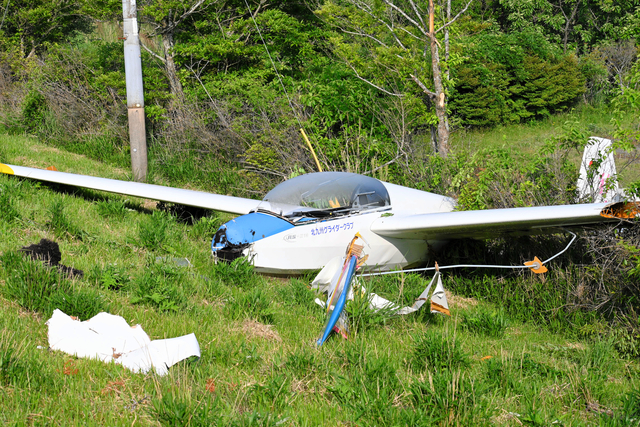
<point>318,231</point>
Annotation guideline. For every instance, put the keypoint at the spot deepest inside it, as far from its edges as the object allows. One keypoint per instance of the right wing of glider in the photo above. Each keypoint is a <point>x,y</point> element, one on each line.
<point>201,199</point>
<point>490,223</point>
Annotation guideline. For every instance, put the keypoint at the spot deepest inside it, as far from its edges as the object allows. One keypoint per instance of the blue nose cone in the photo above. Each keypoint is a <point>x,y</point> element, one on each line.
<point>243,230</point>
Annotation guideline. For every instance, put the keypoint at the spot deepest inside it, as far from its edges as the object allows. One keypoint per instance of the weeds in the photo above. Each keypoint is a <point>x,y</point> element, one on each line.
<point>434,351</point>
<point>111,277</point>
<point>153,231</point>
<point>30,283</point>
<point>361,316</point>
<point>297,293</point>
<point>205,227</point>
<point>483,322</point>
<point>368,389</point>
<point>171,410</point>
<point>448,396</point>
<point>253,304</point>
<point>160,286</point>
<point>114,209</point>
<point>81,303</point>
<point>239,273</point>
<point>274,394</point>
<point>21,367</point>
<point>60,222</point>
<point>10,192</point>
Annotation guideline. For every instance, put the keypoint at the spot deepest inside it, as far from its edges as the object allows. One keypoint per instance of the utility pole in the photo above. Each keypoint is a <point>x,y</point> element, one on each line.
<point>135,93</point>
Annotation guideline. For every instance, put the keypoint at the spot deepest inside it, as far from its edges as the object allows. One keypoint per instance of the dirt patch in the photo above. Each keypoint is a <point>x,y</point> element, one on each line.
<point>460,302</point>
<point>253,329</point>
<point>150,204</point>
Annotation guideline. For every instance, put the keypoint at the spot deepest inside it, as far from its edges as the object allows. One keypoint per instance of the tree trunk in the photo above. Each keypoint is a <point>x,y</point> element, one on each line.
<point>440,98</point>
<point>170,66</point>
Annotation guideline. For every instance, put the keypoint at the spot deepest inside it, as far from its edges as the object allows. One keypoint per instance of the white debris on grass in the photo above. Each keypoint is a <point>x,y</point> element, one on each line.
<point>109,338</point>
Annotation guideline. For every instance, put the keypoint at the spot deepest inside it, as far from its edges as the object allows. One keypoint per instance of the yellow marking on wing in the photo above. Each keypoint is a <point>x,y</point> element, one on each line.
<point>6,169</point>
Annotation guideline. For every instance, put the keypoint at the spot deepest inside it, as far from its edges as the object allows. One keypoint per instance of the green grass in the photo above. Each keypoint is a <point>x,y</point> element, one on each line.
<point>485,365</point>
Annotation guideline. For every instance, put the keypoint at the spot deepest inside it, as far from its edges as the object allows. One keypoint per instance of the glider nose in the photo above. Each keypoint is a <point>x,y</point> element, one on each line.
<point>233,237</point>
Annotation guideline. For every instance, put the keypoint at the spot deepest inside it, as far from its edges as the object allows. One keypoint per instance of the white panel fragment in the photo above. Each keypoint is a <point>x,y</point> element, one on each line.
<point>107,337</point>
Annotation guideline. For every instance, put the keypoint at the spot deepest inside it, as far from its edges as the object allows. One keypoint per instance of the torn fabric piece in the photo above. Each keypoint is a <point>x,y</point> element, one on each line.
<point>107,337</point>
<point>439,304</point>
<point>438,300</point>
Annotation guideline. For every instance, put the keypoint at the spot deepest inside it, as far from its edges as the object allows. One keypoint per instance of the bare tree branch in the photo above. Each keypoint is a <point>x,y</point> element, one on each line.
<point>422,86</point>
<point>399,95</point>
<point>455,18</point>
<point>152,52</point>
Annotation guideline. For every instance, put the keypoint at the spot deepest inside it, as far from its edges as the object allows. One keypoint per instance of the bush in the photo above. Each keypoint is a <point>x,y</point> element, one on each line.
<point>509,78</point>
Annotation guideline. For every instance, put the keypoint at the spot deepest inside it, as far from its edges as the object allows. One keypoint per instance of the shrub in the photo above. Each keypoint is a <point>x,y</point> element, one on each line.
<point>508,78</point>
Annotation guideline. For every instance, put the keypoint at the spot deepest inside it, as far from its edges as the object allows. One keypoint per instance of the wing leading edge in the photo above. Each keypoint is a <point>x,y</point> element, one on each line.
<point>201,199</point>
<point>495,222</point>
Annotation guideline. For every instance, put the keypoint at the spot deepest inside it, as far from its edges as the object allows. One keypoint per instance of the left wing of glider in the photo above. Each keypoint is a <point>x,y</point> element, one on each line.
<point>494,222</point>
<point>234,205</point>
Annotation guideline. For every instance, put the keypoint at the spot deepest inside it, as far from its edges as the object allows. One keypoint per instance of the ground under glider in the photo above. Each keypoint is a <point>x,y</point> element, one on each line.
<point>304,222</point>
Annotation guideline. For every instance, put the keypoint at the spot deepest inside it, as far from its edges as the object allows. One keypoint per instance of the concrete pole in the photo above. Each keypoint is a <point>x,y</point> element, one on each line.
<point>135,93</point>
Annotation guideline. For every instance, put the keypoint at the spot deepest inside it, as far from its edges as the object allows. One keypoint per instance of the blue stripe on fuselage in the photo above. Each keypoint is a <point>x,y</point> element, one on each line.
<point>248,229</point>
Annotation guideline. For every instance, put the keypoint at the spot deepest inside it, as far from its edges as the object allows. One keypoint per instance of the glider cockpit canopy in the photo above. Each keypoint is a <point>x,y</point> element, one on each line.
<point>322,194</point>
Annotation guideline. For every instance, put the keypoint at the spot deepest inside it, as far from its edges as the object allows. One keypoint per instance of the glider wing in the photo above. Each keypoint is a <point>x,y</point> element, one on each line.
<point>494,222</point>
<point>201,199</point>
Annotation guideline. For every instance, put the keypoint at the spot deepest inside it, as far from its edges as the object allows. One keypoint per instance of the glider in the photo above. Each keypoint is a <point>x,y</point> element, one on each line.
<point>305,221</point>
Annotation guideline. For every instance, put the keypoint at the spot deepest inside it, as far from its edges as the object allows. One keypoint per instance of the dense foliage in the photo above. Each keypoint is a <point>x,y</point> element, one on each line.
<point>232,83</point>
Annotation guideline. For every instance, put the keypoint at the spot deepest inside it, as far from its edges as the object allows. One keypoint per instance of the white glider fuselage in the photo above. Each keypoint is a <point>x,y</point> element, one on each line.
<point>309,246</point>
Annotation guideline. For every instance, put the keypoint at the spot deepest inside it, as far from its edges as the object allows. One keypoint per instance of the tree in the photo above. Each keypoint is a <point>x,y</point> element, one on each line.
<point>164,17</point>
<point>577,25</point>
<point>390,42</point>
<point>31,24</point>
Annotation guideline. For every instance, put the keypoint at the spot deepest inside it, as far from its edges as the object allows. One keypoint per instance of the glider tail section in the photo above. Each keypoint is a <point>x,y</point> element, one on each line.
<point>598,181</point>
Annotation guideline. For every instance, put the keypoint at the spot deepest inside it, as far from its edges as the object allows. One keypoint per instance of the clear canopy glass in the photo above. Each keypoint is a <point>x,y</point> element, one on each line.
<point>325,191</point>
